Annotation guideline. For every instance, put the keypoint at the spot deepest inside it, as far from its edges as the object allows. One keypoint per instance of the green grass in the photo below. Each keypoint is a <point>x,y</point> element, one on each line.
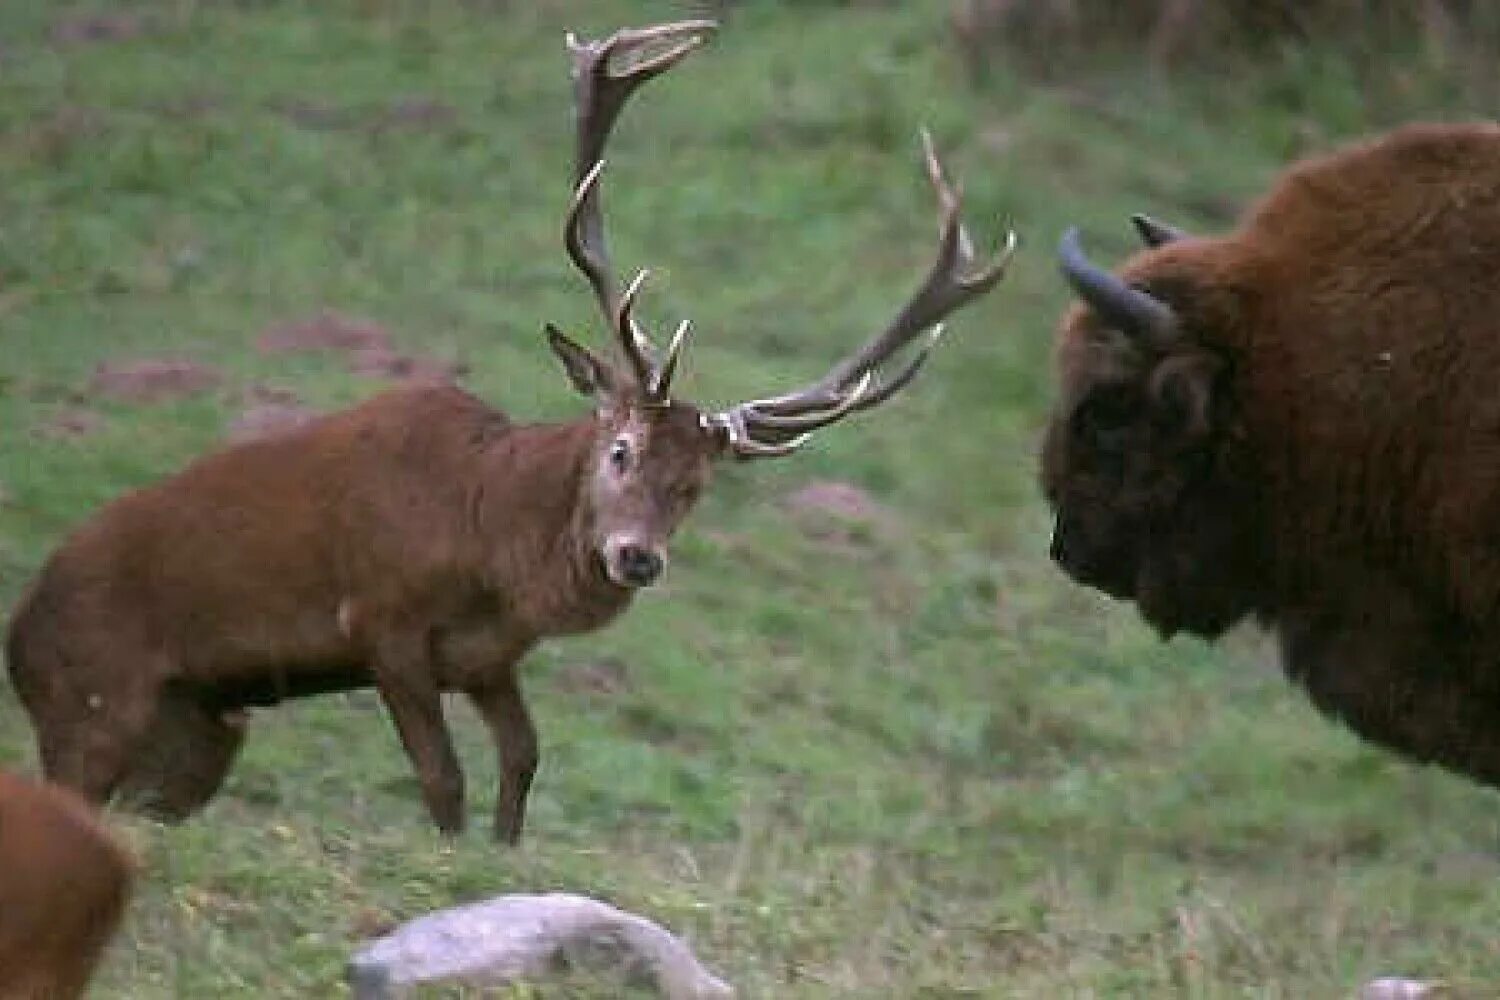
<point>907,759</point>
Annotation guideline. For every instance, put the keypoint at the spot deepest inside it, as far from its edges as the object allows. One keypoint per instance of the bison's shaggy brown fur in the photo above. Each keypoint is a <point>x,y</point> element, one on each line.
<point>64,882</point>
<point>1311,437</point>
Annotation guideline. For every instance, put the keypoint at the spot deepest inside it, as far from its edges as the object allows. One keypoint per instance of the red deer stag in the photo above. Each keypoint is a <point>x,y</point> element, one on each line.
<point>1297,421</point>
<point>422,541</point>
<point>64,881</point>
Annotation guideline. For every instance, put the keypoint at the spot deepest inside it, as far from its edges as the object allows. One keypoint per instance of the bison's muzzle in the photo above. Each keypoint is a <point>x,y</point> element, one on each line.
<point>1106,565</point>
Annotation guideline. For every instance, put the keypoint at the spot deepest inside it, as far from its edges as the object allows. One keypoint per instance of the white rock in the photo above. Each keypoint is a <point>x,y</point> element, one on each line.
<point>1396,988</point>
<point>517,937</point>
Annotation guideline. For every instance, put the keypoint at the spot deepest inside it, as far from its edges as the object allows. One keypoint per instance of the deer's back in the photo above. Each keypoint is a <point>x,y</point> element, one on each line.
<point>248,553</point>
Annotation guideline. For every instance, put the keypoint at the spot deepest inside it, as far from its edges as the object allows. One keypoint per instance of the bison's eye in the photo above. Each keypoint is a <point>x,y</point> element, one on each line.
<point>1106,417</point>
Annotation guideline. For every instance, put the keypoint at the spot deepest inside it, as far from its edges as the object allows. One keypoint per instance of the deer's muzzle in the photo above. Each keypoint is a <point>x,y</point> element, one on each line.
<point>629,563</point>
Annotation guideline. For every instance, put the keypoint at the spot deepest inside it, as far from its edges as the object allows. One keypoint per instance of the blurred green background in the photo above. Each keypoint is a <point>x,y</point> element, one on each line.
<point>864,741</point>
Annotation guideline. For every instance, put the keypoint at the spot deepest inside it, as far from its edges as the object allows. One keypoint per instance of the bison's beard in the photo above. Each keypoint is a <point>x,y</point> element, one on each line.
<point>1174,603</point>
<point>1198,575</point>
<point>1192,558</point>
<point>1175,588</point>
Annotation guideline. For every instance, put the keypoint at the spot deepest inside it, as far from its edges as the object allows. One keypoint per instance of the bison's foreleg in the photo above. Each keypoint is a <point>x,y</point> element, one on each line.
<point>404,677</point>
<point>504,710</point>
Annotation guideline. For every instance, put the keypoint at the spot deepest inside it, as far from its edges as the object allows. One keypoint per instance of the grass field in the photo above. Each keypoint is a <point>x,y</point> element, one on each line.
<point>894,755</point>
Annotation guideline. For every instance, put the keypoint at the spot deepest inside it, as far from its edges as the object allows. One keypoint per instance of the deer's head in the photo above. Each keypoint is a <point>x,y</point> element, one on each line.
<point>650,461</point>
<point>653,454</point>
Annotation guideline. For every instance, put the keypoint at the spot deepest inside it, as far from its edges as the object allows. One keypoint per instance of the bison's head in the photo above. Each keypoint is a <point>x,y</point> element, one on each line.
<point>1141,461</point>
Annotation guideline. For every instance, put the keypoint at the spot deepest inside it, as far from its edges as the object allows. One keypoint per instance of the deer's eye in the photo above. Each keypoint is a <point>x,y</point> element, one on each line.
<point>619,454</point>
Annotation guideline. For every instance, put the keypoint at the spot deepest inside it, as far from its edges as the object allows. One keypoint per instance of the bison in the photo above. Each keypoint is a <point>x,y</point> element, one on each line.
<point>1299,423</point>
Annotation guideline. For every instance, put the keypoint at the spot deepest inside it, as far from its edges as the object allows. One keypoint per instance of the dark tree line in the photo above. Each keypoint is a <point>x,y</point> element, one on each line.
<point>1462,36</point>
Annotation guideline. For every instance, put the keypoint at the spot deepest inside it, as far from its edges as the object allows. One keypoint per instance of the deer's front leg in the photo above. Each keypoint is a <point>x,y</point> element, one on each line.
<point>407,684</point>
<point>499,701</point>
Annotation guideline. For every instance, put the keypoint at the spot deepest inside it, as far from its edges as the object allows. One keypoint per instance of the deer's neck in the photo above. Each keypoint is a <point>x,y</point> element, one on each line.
<point>534,523</point>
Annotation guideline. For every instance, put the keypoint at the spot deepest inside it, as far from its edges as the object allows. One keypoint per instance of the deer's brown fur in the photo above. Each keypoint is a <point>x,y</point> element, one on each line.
<point>421,542</point>
<point>64,883</point>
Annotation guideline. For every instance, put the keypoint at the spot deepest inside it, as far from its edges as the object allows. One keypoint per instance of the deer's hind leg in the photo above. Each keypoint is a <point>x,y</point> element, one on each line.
<point>182,761</point>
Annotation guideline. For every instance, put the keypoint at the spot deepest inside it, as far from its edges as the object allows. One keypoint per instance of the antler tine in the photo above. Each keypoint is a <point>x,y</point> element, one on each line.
<point>954,280</point>
<point>783,425</point>
<point>951,283</point>
<point>661,384</point>
<point>732,423</point>
<point>601,90</point>
<point>605,74</point>
<point>637,348</point>
<point>811,411</point>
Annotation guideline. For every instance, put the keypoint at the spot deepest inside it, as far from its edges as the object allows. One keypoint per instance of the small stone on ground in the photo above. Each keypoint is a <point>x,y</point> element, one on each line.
<point>518,938</point>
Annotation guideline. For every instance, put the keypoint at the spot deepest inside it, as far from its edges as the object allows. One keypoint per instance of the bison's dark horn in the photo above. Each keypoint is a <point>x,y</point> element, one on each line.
<point>1153,232</point>
<point>1132,311</point>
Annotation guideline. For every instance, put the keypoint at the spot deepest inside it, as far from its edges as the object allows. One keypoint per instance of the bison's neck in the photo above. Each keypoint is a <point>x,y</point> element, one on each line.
<point>533,523</point>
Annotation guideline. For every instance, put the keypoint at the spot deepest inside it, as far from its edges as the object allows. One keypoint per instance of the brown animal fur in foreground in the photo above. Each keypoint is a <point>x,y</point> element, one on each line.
<point>421,542</point>
<point>64,882</point>
<point>1299,422</point>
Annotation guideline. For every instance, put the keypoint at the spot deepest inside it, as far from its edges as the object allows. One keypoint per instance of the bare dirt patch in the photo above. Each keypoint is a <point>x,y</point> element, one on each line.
<point>413,113</point>
<point>366,346</point>
<point>152,381</point>
<point>841,500</point>
<point>268,420</point>
<point>385,363</point>
<point>267,411</point>
<point>187,107</point>
<point>258,392</point>
<point>51,136</point>
<point>314,115</point>
<point>91,29</point>
<point>70,423</point>
<point>840,515</point>
<point>326,331</point>
<point>607,676</point>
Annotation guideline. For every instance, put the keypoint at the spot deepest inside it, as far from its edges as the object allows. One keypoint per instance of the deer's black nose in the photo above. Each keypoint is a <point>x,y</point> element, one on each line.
<point>640,566</point>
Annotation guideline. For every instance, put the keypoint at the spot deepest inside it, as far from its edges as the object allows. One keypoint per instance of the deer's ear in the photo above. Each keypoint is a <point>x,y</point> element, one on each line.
<point>588,374</point>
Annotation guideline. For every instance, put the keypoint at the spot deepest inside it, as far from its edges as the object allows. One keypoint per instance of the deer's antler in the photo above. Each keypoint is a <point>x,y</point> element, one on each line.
<point>605,74</point>
<point>779,425</point>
